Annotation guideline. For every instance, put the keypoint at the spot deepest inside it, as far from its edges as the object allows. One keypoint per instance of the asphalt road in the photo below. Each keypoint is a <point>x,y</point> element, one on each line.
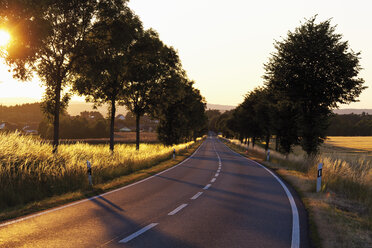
<point>216,198</point>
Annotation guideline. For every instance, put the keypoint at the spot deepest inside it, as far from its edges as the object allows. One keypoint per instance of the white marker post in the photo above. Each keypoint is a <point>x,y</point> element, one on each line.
<point>89,173</point>
<point>268,155</point>
<point>319,177</point>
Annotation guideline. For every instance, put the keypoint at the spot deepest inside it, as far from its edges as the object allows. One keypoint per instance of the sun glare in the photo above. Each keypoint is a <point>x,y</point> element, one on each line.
<point>4,38</point>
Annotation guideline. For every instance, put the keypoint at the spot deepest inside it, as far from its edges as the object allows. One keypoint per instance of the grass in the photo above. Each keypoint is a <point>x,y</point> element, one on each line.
<point>29,172</point>
<point>341,215</point>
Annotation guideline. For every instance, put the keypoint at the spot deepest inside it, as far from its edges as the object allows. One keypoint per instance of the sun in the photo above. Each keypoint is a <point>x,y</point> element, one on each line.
<point>4,38</point>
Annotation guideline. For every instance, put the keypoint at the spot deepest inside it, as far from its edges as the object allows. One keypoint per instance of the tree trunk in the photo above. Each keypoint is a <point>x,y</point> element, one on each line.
<point>137,131</point>
<point>57,107</point>
<point>277,143</point>
<point>248,141</point>
<point>112,124</point>
<point>253,141</point>
<point>267,142</point>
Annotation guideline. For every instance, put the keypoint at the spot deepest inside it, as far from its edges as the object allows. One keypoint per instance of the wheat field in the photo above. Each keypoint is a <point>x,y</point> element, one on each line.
<point>359,143</point>
<point>30,172</point>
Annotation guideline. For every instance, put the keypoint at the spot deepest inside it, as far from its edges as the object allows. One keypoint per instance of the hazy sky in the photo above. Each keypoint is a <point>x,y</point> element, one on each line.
<point>224,44</point>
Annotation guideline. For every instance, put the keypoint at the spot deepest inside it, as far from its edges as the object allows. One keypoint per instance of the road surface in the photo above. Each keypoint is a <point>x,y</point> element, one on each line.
<point>216,198</point>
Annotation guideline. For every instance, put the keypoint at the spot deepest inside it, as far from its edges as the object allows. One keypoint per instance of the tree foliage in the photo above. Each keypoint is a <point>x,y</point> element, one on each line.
<point>180,110</point>
<point>102,73</point>
<point>149,63</point>
<point>47,37</point>
<point>314,70</point>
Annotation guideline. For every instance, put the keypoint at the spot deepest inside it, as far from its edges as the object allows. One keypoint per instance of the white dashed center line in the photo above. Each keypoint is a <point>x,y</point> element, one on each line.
<point>177,209</point>
<point>196,196</point>
<point>207,186</point>
<point>213,180</point>
<point>136,234</point>
<point>217,174</point>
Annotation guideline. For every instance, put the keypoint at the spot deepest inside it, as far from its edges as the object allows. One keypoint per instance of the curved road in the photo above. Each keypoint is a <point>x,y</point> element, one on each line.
<point>216,198</point>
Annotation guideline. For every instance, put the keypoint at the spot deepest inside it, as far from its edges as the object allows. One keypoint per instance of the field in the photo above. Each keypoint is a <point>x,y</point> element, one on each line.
<point>120,138</point>
<point>30,172</point>
<point>353,146</point>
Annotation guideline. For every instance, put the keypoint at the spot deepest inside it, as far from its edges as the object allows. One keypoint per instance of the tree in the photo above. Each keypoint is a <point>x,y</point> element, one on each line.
<point>149,63</point>
<point>47,37</point>
<point>102,73</point>
<point>180,109</point>
<point>212,115</point>
<point>223,124</point>
<point>314,70</point>
<point>284,124</point>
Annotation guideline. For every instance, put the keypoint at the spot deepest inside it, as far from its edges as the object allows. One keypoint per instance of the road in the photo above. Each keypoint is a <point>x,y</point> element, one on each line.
<point>216,198</point>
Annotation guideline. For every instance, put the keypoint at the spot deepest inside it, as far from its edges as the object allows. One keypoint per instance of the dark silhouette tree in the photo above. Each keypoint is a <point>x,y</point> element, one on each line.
<point>180,110</point>
<point>102,73</point>
<point>212,115</point>
<point>284,125</point>
<point>149,62</point>
<point>314,70</point>
<point>46,38</point>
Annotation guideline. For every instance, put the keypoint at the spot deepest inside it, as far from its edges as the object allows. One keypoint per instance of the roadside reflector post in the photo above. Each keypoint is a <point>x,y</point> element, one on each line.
<point>319,177</point>
<point>174,153</point>
<point>268,155</point>
<point>89,167</point>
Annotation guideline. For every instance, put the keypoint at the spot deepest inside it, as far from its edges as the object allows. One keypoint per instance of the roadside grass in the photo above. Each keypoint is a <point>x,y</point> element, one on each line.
<point>32,178</point>
<point>339,216</point>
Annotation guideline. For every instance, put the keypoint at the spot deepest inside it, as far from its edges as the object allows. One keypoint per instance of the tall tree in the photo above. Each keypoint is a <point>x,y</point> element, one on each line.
<point>180,109</point>
<point>46,38</point>
<point>314,70</point>
<point>102,73</point>
<point>149,63</point>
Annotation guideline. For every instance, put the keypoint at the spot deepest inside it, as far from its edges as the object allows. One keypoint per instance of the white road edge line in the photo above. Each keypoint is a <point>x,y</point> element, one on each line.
<point>177,209</point>
<point>295,219</point>
<point>196,196</point>
<point>97,196</point>
<point>207,186</point>
<point>213,180</point>
<point>139,232</point>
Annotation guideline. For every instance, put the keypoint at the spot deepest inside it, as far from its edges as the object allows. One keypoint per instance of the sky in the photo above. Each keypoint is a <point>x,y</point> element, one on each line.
<point>223,45</point>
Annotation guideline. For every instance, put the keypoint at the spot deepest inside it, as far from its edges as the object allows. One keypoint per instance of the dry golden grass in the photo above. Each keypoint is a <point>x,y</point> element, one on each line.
<point>30,172</point>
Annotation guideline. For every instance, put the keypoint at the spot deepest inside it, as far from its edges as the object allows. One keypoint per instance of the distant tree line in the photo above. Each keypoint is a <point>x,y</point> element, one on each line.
<point>101,50</point>
<point>311,71</point>
<point>350,125</point>
<point>89,124</point>
<point>24,113</point>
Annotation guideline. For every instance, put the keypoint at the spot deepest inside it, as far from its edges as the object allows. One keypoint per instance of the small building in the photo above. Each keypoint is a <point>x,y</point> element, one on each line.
<point>120,117</point>
<point>29,130</point>
<point>125,129</point>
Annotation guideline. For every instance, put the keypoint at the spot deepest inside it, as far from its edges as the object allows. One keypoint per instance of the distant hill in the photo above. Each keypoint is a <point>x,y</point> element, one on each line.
<point>221,108</point>
<point>350,111</point>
